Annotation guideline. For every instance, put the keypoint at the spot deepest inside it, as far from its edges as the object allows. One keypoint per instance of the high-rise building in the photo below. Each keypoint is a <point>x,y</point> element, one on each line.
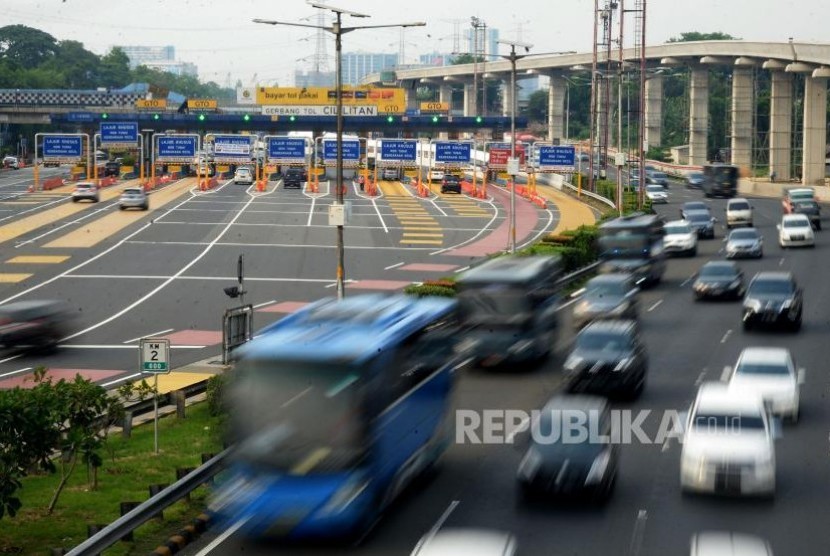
<point>314,78</point>
<point>357,65</point>
<point>436,59</point>
<point>141,55</point>
<point>176,68</point>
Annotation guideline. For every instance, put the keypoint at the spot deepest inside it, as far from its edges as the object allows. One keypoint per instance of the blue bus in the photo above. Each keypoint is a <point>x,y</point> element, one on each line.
<point>333,411</point>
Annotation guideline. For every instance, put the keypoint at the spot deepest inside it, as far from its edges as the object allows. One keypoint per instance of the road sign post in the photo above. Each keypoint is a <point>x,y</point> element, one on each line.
<point>154,358</point>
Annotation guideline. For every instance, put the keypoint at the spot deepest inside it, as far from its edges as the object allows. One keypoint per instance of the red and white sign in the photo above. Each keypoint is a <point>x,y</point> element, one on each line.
<point>499,155</point>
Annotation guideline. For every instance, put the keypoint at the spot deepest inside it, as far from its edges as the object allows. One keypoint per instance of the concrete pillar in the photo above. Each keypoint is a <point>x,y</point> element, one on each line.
<point>411,96</point>
<point>507,94</point>
<point>780,125</point>
<point>445,94</point>
<point>698,115</point>
<point>469,100</point>
<point>815,132</point>
<point>556,108</point>
<point>654,111</point>
<point>743,105</point>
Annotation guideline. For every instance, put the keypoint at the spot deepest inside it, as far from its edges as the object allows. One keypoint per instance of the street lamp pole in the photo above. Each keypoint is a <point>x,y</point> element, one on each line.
<point>338,30</point>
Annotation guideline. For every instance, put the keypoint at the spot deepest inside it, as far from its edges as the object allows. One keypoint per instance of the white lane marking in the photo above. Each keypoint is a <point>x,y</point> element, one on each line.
<point>311,210</point>
<point>653,307</point>
<point>224,536</point>
<point>435,528</point>
<point>264,303</point>
<point>122,379</point>
<point>567,304</point>
<point>44,205</point>
<point>380,216</point>
<point>12,358</point>
<point>435,204</point>
<point>348,281</point>
<point>724,375</point>
<point>278,225</point>
<point>517,430</point>
<point>483,229</point>
<point>701,376</point>
<point>297,397</point>
<point>272,245</point>
<point>151,335</point>
<point>540,232</point>
<point>639,532</point>
<point>91,259</point>
<point>666,445</point>
<point>161,286</point>
<point>176,277</point>
<point>10,373</point>
<point>391,266</point>
<point>726,336</point>
<point>687,280</point>
<point>117,346</point>
<point>64,225</point>
<point>462,269</point>
<point>781,262</point>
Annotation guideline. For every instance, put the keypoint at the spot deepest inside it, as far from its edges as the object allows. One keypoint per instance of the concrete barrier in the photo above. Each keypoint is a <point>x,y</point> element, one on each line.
<point>747,186</point>
<point>52,183</point>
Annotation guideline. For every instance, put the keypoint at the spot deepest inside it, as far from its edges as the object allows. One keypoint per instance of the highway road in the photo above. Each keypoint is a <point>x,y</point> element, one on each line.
<point>688,343</point>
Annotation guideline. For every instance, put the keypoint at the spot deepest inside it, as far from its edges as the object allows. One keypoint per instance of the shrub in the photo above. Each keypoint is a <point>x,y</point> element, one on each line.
<point>425,290</point>
<point>215,394</point>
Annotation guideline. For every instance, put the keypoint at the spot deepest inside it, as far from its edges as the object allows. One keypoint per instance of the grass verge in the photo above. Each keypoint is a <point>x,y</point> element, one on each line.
<point>130,466</point>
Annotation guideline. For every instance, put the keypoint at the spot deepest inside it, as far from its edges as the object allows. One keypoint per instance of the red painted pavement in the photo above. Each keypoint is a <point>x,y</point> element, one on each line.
<point>497,240</point>
<point>195,337</point>
<point>377,285</point>
<point>25,380</point>
<point>283,307</point>
<point>428,267</point>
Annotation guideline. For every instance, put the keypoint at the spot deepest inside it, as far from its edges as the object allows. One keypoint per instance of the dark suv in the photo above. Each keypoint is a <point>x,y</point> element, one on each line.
<point>294,177</point>
<point>112,169</point>
<point>450,183</point>
<point>773,298</point>
<point>608,358</point>
<point>36,324</point>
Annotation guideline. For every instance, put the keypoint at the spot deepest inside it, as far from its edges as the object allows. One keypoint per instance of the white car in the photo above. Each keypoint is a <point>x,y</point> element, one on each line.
<point>728,444</point>
<point>727,543</point>
<point>11,162</point>
<point>771,373</point>
<point>244,176</point>
<point>85,191</point>
<point>657,194</point>
<point>436,175</point>
<point>795,231</point>
<point>458,542</point>
<point>738,212</point>
<point>680,237</point>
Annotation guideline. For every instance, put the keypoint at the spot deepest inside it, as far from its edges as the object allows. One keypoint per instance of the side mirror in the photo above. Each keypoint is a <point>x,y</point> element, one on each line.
<point>802,372</point>
<point>778,227</point>
<point>726,374</point>
<point>776,428</point>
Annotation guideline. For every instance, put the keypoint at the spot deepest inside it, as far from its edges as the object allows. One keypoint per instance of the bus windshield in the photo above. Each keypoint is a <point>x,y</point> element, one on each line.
<point>297,417</point>
<point>624,243</point>
<point>495,304</point>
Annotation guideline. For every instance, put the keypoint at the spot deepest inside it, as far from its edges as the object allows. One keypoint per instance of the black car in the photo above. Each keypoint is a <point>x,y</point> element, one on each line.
<point>450,183</point>
<point>559,461</point>
<point>294,177</point>
<point>703,223</point>
<point>811,209</point>
<point>719,279</point>
<point>695,180</point>
<point>693,206</point>
<point>112,168</point>
<point>35,324</point>
<point>773,298</point>
<point>609,358</point>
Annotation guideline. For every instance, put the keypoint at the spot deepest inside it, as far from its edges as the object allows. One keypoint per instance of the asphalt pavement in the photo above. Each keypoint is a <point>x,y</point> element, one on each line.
<point>689,342</point>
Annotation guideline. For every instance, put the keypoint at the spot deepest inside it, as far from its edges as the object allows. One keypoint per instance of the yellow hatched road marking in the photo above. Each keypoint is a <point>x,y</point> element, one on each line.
<point>178,380</point>
<point>12,278</point>
<point>311,461</point>
<point>21,202</point>
<point>419,234</point>
<point>408,228</point>
<point>38,259</point>
<point>96,231</point>
<point>422,241</point>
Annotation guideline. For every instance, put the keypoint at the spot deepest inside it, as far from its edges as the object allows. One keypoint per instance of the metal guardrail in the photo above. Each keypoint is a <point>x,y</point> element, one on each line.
<point>592,195</point>
<point>121,527</point>
<point>578,274</point>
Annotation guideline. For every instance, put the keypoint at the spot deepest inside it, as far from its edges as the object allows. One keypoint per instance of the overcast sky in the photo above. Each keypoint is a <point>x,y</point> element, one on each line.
<point>219,37</point>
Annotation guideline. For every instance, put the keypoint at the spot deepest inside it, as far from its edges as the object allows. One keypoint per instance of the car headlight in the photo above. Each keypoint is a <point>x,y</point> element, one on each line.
<point>599,467</point>
<point>581,308</point>
<point>753,304</point>
<point>623,364</point>
<point>573,362</point>
<point>345,495</point>
<point>530,464</point>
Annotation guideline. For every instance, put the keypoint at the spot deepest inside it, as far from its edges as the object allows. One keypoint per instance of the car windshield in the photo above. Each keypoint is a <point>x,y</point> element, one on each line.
<point>739,206</point>
<point>717,270</point>
<point>596,340</point>
<point>658,175</point>
<point>655,189</point>
<point>809,205</point>
<point>678,229</point>
<point>83,186</point>
<point>695,206</point>
<point>722,422</point>
<point>695,176</point>
<point>624,243</point>
<point>132,192</point>
<point>554,439</point>
<point>597,290</point>
<point>796,223</point>
<point>698,216</point>
<point>801,196</point>
<point>495,303</point>
<point>762,368</point>
<point>743,234</point>
<point>771,287</point>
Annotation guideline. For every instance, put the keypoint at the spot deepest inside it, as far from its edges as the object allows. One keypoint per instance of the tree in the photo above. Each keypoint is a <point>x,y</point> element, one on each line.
<point>537,106</point>
<point>114,69</point>
<point>26,46</point>
<point>78,66</point>
<point>697,36</point>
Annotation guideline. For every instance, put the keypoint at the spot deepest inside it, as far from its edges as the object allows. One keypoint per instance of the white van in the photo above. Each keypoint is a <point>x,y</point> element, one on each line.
<point>738,212</point>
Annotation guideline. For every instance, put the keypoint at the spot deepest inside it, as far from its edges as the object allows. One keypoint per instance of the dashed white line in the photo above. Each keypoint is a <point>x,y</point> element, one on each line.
<point>687,280</point>
<point>225,535</point>
<point>462,269</point>
<point>653,307</point>
<point>724,376</point>
<point>638,534</point>
<point>380,216</point>
<point>264,303</point>
<point>149,335</point>
<point>781,262</point>
<point>122,379</point>
<point>10,373</point>
<point>435,528</point>
<point>726,336</point>
<point>311,211</point>
<point>391,266</point>
<point>701,376</point>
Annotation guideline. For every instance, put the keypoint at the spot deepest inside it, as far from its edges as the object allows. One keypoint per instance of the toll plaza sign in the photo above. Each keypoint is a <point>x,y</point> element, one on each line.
<point>351,152</point>
<point>556,157</point>
<point>233,147</point>
<point>453,152</point>
<point>288,149</point>
<point>62,147</point>
<point>119,133</point>
<point>385,101</point>
<point>319,110</point>
<point>397,150</point>
<point>173,148</point>
<point>500,152</point>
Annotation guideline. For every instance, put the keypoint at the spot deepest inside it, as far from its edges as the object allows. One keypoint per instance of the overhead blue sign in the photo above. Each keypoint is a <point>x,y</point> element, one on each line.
<point>119,132</point>
<point>351,150</point>
<point>231,146</point>
<point>286,148</point>
<point>80,116</point>
<point>176,147</point>
<point>555,155</point>
<point>453,152</point>
<point>397,150</point>
<point>62,146</point>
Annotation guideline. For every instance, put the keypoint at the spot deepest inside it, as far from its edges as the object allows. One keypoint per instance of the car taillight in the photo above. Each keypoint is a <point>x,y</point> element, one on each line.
<point>4,321</point>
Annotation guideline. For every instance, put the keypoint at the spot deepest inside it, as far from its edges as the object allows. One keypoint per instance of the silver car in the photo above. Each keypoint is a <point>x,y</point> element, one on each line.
<point>85,191</point>
<point>746,242</point>
<point>607,296</point>
<point>134,197</point>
